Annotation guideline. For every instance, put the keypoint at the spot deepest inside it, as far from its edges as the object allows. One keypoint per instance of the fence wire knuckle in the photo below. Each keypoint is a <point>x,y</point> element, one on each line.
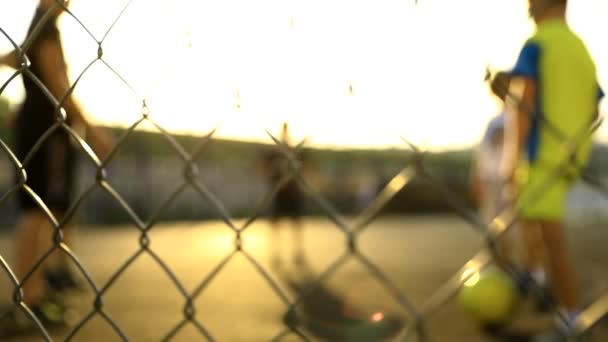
<point>418,167</point>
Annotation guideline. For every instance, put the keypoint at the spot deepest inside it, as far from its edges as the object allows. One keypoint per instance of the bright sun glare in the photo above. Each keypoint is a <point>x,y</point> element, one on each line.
<point>345,73</point>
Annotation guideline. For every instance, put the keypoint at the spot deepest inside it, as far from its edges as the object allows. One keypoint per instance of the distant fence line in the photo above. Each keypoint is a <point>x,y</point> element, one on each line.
<point>143,183</point>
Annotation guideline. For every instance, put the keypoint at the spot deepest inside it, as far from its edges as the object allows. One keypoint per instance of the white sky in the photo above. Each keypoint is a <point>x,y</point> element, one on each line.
<point>416,71</point>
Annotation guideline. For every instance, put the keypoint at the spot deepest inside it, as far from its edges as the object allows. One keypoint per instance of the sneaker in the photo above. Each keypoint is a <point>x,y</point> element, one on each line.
<point>543,298</point>
<point>16,322</point>
<point>525,283</point>
<point>524,325</point>
<point>50,313</point>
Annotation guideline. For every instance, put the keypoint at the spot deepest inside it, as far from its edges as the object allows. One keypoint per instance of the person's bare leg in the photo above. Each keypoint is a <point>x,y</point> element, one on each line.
<point>511,247</point>
<point>535,248</point>
<point>275,243</point>
<point>564,278</point>
<point>505,249</point>
<point>298,241</point>
<point>506,245</point>
<point>28,249</point>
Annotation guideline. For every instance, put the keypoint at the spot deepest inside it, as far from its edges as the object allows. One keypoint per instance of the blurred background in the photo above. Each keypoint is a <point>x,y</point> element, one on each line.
<point>354,78</point>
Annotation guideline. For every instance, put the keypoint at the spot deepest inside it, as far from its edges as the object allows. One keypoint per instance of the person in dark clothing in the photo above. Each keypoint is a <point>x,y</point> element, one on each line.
<point>288,201</point>
<point>48,157</point>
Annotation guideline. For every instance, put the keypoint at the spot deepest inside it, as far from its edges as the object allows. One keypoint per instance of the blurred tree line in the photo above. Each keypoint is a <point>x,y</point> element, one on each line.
<point>147,171</point>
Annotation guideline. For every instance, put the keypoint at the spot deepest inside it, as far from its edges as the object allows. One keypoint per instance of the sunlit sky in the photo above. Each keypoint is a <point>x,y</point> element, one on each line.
<point>245,65</point>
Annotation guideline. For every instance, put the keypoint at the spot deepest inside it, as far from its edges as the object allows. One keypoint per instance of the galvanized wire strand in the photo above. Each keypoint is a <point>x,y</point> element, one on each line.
<point>18,167</point>
<point>209,277</point>
<point>78,326</point>
<point>171,140</point>
<point>18,300</point>
<point>154,218</point>
<point>446,292</point>
<point>322,277</point>
<point>18,295</point>
<point>200,146</point>
<point>12,277</point>
<point>189,308</point>
<point>135,219</point>
<point>219,208</point>
<point>127,84</point>
<point>122,11</point>
<point>38,145</point>
<point>389,285</point>
<point>592,314</point>
<point>120,141</point>
<point>281,335</point>
<point>32,317</point>
<point>114,277</point>
<point>69,214</point>
<point>201,329</point>
<point>393,187</point>
<point>68,92</point>
<point>113,325</point>
<point>13,43</point>
<point>176,330</point>
<point>266,201</point>
<point>13,76</point>
<point>327,207</point>
<point>267,277</point>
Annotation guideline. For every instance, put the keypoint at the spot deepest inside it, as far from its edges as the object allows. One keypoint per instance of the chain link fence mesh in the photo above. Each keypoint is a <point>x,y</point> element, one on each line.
<point>415,167</point>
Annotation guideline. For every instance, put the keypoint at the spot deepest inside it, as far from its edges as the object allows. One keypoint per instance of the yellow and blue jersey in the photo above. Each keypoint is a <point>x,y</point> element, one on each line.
<point>567,93</point>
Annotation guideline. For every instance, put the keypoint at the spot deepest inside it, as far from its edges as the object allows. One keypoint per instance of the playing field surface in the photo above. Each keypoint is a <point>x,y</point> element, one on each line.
<point>415,255</point>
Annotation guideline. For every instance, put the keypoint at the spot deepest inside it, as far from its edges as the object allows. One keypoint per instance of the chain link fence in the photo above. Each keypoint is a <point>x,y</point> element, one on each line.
<point>415,328</point>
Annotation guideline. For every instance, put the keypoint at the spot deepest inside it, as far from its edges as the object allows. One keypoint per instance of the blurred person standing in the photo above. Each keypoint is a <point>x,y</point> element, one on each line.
<point>487,182</point>
<point>489,187</point>
<point>50,171</point>
<point>556,87</point>
<point>288,201</point>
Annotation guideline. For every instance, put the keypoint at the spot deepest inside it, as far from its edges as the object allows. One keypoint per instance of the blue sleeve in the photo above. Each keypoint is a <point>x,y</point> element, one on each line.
<point>528,62</point>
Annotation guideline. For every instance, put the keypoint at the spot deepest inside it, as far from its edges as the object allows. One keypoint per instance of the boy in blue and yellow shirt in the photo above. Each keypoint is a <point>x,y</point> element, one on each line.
<point>555,78</point>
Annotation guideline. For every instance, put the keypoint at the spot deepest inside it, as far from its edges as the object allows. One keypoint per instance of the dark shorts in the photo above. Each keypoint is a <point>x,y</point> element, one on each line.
<point>50,172</point>
<point>288,202</point>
